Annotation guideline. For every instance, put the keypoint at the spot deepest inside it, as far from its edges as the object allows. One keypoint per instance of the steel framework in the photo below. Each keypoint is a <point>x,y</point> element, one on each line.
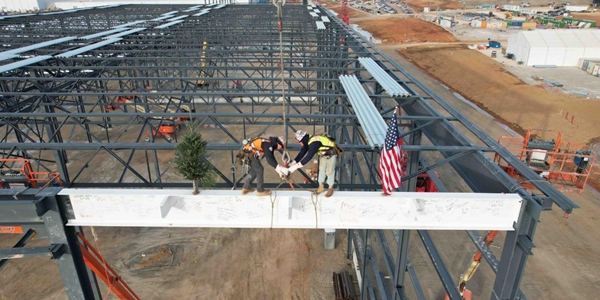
<point>80,91</point>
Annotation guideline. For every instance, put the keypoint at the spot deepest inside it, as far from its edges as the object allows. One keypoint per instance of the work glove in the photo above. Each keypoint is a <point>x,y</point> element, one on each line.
<point>293,162</point>
<point>282,171</point>
<point>295,167</point>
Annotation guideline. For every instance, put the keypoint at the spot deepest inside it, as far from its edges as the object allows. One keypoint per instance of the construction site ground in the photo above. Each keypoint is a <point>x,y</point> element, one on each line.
<point>195,263</point>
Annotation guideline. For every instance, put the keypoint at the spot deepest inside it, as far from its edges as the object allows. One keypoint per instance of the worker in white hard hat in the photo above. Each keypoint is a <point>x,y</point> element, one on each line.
<point>256,149</point>
<point>327,151</point>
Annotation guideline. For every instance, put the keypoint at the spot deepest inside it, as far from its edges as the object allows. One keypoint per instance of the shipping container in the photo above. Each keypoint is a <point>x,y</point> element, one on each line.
<point>590,67</point>
<point>529,25</point>
<point>504,24</point>
<point>585,65</point>
<point>483,24</point>
<point>446,23</point>
<point>580,63</point>
<point>596,69</point>
<point>494,44</point>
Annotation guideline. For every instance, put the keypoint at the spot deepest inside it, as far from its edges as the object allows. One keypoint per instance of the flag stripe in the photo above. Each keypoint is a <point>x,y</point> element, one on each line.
<point>390,163</point>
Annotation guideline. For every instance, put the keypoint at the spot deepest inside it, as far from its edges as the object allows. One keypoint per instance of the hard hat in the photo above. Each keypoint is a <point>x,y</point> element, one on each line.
<point>299,135</point>
<point>281,140</point>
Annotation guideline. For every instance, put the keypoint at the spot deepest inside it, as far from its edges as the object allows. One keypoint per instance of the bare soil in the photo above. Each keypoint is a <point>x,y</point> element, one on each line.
<point>352,12</point>
<point>410,30</point>
<point>442,4</point>
<point>595,16</point>
<point>195,263</point>
<point>514,103</point>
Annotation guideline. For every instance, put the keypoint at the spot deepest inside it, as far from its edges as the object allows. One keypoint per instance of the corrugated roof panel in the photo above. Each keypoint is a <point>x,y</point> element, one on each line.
<point>314,15</point>
<point>170,13</point>
<point>168,24</point>
<point>129,24</point>
<point>325,19</point>
<point>103,33</point>
<point>7,56</point>
<point>178,18</point>
<point>23,63</point>
<point>87,48</point>
<point>393,88</point>
<point>161,18</point>
<point>320,25</point>
<point>368,116</point>
<point>39,45</point>
<point>128,32</point>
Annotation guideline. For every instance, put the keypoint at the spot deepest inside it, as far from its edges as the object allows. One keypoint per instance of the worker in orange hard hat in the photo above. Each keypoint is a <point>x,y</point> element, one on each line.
<point>327,150</point>
<point>256,149</point>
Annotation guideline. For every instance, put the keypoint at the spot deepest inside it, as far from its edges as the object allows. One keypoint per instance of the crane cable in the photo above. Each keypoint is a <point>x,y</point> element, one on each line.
<point>285,156</point>
<point>279,4</point>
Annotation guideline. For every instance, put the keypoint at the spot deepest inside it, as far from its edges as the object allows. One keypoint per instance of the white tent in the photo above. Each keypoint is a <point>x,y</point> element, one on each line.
<point>554,47</point>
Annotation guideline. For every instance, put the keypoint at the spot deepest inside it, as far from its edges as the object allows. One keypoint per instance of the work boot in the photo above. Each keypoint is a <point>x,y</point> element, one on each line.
<point>264,193</point>
<point>321,188</point>
<point>247,191</point>
<point>329,192</point>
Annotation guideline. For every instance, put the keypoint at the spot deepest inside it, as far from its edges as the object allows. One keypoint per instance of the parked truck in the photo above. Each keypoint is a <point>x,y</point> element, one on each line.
<point>576,8</point>
<point>510,8</point>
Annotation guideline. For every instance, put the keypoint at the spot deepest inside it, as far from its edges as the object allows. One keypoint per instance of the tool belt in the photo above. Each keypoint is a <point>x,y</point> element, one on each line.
<point>337,150</point>
<point>243,157</point>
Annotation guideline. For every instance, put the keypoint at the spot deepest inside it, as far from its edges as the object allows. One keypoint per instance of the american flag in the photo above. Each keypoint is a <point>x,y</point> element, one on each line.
<point>390,163</point>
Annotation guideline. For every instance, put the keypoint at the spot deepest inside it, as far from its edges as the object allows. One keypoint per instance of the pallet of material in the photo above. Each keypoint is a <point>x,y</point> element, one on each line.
<point>343,286</point>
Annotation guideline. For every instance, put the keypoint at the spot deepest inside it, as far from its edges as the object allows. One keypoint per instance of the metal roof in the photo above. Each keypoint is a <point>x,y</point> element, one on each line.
<point>369,117</point>
<point>87,48</point>
<point>391,86</point>
<point>23,63</point>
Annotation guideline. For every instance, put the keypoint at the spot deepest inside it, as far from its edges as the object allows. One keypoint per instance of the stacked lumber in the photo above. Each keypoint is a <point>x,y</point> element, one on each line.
<point>343,286</point>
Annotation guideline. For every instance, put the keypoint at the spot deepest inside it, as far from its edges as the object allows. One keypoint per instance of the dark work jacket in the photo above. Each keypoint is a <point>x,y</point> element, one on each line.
<point>308,151</point>
<point>269,151</point>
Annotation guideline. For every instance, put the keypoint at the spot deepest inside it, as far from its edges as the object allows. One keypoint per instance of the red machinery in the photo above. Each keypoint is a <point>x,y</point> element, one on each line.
<point>94,260</point>
<point>345,17</point>
<point>119,100</point>
<point>567,166</point>
<point>168,131</point>
<point>21,172</point>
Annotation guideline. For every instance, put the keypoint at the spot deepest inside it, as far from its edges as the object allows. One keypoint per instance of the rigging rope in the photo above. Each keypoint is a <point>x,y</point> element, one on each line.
<point>279,4</point>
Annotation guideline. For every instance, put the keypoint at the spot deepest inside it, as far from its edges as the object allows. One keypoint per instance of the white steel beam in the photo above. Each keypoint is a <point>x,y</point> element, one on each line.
<point>293,209</point>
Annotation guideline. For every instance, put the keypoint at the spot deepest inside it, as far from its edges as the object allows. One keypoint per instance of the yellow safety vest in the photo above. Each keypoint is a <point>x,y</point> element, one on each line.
<point>326,144</point>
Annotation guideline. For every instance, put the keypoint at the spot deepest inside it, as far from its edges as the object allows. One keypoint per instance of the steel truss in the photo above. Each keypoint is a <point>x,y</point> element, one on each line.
<point>76,114</point>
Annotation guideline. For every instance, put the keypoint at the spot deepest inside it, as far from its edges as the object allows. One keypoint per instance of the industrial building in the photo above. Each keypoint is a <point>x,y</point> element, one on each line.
<point>554,47</point>
<point>86,92</point>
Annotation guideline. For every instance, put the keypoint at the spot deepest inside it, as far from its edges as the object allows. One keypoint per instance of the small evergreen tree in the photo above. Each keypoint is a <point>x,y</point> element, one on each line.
<point>189,160</point>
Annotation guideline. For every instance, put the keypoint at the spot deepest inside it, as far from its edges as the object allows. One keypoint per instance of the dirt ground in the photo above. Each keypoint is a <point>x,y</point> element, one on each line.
<point>196,263</point>
<point>486,83</point>
<point>595,16</point>
<point>410,30</point>
<point>518,105</point>
<point>442,4</point>
<point>352,12</point>
<point>564,264</point>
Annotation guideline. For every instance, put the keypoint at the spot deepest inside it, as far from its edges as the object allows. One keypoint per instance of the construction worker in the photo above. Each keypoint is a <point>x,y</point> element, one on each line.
<point>323,146</point>
<point>255,150</point>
